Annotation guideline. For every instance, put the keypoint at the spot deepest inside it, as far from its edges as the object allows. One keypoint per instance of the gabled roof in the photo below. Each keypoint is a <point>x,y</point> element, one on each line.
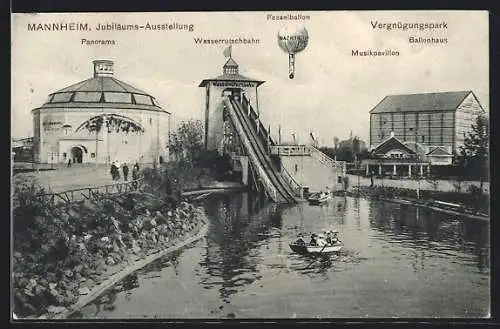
<point>443,101</point>
<point>392,143</point>
<point>417,147</point>
<point>438,151</point>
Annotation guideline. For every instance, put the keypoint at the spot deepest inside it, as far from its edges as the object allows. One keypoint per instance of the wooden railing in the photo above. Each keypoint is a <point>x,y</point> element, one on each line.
<point>290,150</point>
<point>262,131</point>
<point>296,187</point>
<point>325,159</point>
<point>91,193</point>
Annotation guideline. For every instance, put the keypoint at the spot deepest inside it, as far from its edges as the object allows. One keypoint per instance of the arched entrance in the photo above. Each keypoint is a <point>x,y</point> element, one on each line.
<point>76,154</point>
<point>233,92</point>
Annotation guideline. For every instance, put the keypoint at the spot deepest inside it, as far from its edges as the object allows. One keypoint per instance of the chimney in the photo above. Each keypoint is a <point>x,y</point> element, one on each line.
<point>103,68</point>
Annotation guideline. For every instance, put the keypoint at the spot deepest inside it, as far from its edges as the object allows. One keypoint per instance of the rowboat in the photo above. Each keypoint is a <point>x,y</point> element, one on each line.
<point>302,248</point>
<point>319,198</point>
<point>315,250</point>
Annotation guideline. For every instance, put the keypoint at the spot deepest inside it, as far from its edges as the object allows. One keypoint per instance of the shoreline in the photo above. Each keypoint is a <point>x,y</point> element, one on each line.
<point>130,267</point>
<point>423,205</point>
<point>416,203</point>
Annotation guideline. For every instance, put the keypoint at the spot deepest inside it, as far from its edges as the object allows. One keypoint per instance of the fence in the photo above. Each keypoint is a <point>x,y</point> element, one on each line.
<point>91,193</point>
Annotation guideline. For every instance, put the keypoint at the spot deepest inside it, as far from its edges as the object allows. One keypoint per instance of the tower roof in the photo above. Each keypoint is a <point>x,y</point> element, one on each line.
<point>230,73</point>
<point>231,62</point>
<point>103,90</point>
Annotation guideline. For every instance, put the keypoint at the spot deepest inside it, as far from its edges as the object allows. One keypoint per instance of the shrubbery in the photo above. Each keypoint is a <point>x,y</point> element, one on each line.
<point>62,248</point>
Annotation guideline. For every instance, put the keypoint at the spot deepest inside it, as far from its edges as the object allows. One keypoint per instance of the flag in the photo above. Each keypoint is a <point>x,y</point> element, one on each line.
<point>227,51</point>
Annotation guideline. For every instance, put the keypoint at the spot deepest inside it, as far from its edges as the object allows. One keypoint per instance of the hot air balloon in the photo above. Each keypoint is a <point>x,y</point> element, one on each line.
<point>292,39</point>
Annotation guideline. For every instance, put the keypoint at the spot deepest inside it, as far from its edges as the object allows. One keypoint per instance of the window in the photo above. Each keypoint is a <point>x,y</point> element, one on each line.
<point>339,179</point>
<point>117,97</point>
<point>143,99</point>
<point>150,121</point>
<point>423,138</point>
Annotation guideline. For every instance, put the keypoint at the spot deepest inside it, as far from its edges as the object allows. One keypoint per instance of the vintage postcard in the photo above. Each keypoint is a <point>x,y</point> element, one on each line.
<point>250,165</point>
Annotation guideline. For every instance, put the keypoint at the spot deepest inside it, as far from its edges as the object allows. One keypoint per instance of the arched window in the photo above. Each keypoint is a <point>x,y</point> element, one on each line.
<point>66,129</point>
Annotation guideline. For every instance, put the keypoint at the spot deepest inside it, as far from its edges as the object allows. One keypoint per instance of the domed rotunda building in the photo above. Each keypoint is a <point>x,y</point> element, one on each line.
<point>100,119</point>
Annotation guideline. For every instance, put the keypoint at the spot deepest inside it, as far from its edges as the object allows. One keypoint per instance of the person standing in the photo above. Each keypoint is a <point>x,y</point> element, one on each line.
<point>113,170</point>
<point>125,171</point>
<point>117,165</point>
<point>135,175</point>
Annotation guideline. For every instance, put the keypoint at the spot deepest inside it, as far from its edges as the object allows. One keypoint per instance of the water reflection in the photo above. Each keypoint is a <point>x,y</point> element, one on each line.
<point>390,251</point>
<point>423,228</point>
<point>231,253</point>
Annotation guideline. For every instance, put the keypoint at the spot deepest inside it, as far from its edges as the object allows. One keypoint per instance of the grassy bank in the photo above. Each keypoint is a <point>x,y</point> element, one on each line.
<point>62,251</point>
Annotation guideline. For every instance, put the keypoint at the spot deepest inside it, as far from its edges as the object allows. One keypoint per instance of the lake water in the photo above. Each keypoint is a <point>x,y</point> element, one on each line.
<point>398,261</point>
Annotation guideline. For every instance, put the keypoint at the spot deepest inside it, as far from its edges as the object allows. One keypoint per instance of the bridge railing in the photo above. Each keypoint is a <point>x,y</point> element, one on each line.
<point>91,193</point>
<point>325,159</point>
<point>290,150</point>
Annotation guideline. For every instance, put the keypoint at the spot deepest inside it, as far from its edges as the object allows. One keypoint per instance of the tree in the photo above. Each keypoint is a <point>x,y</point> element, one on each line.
<point>335,142</point>
<point>350,150</point>
<point>187,141</point>
<point>474,153</point>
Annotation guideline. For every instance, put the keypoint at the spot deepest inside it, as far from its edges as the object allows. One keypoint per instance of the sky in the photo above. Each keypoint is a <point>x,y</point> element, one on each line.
<point>331,94</point>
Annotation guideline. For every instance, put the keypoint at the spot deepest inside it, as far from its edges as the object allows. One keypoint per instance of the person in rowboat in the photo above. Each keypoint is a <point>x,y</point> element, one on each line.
<point>320,241</point>
<point>300,241</point>
<point>313,241</point>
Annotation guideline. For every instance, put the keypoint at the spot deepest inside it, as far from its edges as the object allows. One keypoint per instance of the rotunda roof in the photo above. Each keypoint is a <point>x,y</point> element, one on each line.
<point>102,91</point>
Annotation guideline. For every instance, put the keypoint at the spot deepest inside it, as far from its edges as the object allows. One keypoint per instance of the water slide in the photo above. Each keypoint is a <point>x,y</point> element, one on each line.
<point>274,183</point>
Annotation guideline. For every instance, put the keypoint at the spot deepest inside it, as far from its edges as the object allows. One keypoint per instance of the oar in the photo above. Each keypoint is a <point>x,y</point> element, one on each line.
<point>316,256</point>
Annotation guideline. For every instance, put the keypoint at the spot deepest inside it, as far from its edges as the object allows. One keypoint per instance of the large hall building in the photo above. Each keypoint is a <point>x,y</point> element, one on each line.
<point>413,132</point>
<point>431,119</point>
<point>100,119</point>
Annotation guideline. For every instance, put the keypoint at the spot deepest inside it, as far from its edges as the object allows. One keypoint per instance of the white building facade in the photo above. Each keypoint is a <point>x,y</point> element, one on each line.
<point>100,120</point>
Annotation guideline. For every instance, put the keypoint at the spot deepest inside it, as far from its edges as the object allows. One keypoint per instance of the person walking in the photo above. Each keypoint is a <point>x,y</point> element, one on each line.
<point>125,171</point>
<point>69,163</point>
